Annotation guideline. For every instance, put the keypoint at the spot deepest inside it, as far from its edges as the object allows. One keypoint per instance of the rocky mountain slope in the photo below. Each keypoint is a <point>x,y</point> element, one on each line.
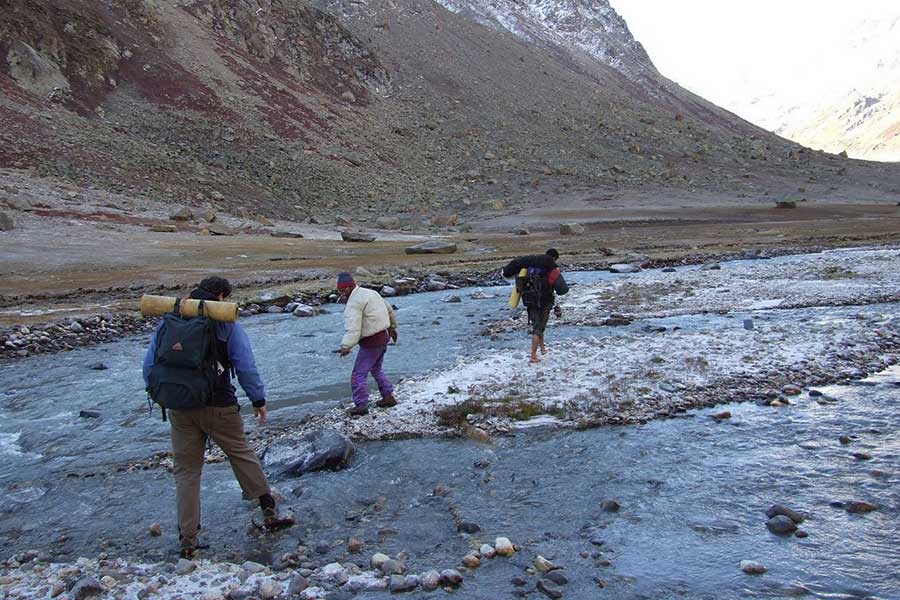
<point>292,108</point>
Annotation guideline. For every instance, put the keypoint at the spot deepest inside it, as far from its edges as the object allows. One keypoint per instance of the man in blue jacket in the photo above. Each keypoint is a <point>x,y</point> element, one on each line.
<point>220,420</point>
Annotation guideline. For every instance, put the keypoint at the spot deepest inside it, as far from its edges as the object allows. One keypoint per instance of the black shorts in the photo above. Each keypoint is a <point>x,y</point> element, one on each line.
<point>537,319</point>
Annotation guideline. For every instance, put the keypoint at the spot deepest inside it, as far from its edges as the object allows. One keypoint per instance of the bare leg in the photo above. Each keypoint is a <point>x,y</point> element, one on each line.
<point>543,347</point>
<point>535,342</point>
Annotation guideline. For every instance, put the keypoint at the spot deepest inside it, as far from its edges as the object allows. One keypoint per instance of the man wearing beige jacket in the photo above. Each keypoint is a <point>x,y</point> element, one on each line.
<point>370,322</point>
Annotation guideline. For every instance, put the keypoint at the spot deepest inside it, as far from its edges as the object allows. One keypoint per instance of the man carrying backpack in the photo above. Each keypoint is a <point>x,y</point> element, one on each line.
<point>538,279</point>
<point>188,369</point>
<point>370,322</point>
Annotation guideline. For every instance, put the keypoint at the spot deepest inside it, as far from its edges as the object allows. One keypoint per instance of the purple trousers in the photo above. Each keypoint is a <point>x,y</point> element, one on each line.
<point>369,360</point>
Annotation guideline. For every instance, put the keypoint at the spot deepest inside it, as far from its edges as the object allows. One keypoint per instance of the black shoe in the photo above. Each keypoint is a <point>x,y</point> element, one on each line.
<point>358,411</point>
<point>387,402</point>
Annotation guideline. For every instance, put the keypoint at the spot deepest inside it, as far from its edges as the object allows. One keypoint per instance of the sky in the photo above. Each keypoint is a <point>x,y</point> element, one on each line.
<point>730,51</point>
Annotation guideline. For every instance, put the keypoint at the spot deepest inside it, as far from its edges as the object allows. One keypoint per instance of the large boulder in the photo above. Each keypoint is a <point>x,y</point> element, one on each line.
<point>357,236</point>
<point>287,234</point>
<point>182,214</point>
<point>7,223</point>
<point>624,268</point>
<point>571,229</point>
<point>387,223</point>
<point>320,450</point>
<point>432,247</point>
<point>219,229</point>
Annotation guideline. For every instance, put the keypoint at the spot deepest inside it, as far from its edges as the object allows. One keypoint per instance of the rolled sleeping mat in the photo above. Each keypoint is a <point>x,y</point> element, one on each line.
<point>157,306</point>
<point>514,297</point>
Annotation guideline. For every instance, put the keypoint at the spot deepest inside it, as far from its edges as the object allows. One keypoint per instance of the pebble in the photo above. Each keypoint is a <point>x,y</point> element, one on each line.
<point>859,507</point>
<point>721,416</point>
<point>252,567</point>
<point>269,589</point>
<point>471,561</point>
<point>378,559</point>
<point>354,545</point>
<point>542,564</point>
<point>504,547</point>
<point>519,581</point>
<point>99,366</point>
<point>451,577</point>
<point>845,439</point>
<point>862,456</point>
<point>752,568</point>
<point>468,527</point>
<point>430,580</point>
<point>108,581</point>
<point>297,585</point>
<point>549,589</point>
<point>184,566</point>
<point>155,530</point>
<point>399,584</point>
<point>89,414</point>
<point>85,587</point>
<point>487,551</point>
<point>800,533</point>
<point>392,567</point>
<point>610,506</point>
<point>557,577</point>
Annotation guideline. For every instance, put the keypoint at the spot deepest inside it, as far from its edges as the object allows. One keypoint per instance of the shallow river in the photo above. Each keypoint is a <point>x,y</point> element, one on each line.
<point>693,491</point>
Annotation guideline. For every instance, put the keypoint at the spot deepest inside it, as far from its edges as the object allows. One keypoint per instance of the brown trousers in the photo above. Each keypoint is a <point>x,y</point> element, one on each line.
<point>190,429</point>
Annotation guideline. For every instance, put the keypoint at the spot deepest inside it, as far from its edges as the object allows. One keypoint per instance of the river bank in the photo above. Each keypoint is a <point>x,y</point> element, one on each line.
<point>64,334</point>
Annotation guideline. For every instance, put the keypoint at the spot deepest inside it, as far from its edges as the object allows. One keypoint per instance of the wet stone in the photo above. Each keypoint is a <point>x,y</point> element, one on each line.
<point>751,567</point>
<point>468,527</point>
<point>781,525</point>
<point>184,566</point>
<point>451,577</point>
<point>86,587</point>
<point>519,581</point>
<point>778,509</point>
<point>549,589</point>
<point>430,580</point>
<point>859,507</point>
<point>400,584</point>
<point>557,577</point>
<point>610,506</point>
<point>297,585</point>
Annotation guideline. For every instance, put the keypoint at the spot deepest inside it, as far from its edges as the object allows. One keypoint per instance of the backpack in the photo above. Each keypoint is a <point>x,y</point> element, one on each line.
<point>186,364</point>
<point>531,287</point>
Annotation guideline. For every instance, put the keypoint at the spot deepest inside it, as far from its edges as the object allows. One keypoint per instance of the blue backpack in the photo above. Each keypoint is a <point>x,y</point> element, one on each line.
<point>186,365</point>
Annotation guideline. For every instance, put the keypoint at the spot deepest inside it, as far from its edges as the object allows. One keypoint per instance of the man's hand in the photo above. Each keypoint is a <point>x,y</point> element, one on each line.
<point>344,351</point>
<point>261,413</point>
<point>393,333</point>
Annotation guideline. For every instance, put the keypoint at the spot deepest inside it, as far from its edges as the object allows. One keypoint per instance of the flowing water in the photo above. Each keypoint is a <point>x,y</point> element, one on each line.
<point>693,491</point>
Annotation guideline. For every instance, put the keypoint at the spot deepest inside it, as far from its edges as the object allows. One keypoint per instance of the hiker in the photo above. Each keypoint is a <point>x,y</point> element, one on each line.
<point>201,405</point>
<point>537,286</point>
<point>370,322</point>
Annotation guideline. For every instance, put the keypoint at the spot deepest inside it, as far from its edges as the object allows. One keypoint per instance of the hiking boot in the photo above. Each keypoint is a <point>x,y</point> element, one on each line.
<point>387,402</point>
<point>272,520</point>
<point>358,411</point>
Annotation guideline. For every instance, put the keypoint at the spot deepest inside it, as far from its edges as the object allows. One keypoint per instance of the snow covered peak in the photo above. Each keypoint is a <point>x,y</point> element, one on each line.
<point>589,26</point>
